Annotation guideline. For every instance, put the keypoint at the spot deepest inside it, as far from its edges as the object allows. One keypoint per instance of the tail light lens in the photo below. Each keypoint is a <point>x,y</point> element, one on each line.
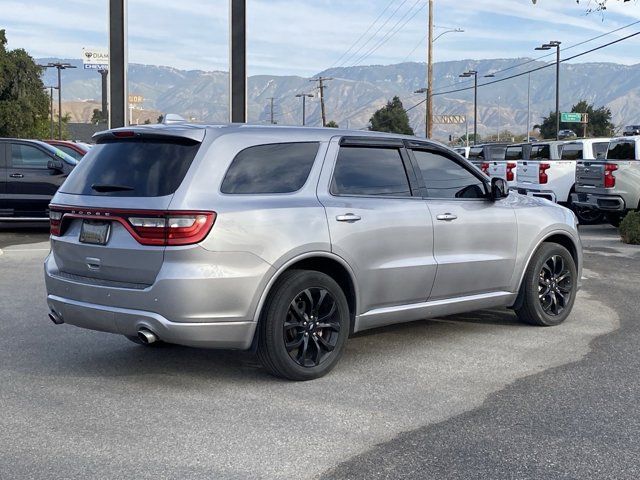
<point>609,179</point>
<point>484,166</point>
<point>169,228</point>
<point>510,175</point>
<point>55,222</point>
<point>542,173</point>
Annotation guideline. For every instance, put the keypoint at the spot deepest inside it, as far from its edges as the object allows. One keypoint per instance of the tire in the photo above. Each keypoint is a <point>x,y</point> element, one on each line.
<point>557,278</point>
<point>614,218</point>
<point>316,326</point>
<point>588,216</point>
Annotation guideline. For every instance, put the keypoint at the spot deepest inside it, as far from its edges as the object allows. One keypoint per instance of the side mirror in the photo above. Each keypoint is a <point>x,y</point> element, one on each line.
<point>499,189</point>
<point>55,165</point>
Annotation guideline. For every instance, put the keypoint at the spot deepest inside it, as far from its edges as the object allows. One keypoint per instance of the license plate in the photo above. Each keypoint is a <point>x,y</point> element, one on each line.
<point>96,233</point>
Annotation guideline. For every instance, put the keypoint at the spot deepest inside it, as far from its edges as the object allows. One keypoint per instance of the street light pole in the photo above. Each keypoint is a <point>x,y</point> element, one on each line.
<point>528,106</point>
<point>549,46</point>
<point>429,107</point>
<point>51,88</point>
<point>59,66</point>
<point>474,74</point>
<point>304,105</point>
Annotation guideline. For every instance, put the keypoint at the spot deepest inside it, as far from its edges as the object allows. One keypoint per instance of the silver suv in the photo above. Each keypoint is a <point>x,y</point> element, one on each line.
<point>288,240</point>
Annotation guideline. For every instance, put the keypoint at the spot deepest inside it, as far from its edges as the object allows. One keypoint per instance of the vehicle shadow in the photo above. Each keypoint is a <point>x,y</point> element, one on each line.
<point>16,233</point>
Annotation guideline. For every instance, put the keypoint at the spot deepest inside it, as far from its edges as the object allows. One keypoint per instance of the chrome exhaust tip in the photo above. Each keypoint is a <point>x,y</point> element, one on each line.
<point>147,336</point>
<point>55,318</point>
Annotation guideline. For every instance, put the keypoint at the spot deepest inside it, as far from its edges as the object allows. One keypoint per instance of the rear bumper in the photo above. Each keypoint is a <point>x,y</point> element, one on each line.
<point>232,335</point>
<point>609,203</point>
<point>546,194</point>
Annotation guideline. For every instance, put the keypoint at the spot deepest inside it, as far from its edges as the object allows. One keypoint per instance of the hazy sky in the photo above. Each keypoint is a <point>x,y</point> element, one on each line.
<point>303,37</point>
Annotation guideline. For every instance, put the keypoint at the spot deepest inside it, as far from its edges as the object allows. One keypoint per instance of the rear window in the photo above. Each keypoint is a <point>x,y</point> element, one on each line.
<point>274,168</point>
<point>513,153</point>
<point>540,152</point>
<point>600,149</point>
<point>572,151</point>
<point>622,151</point>
<point>497,153</point>
<point>132,168</point>
<point>476,152</point>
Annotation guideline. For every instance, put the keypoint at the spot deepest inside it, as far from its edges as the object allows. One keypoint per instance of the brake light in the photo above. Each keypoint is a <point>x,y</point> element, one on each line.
<point>609,179</point>
<point>147,227</point>
<point>510,175</point>
<point>124,134</point>
<point>484,166</point>
<point>55,222</point>
<point>542,173</point>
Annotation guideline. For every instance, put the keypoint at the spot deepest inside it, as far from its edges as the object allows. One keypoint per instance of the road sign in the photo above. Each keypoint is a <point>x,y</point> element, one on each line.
<point>136,99</point>
<point>571,117</point>
<point>449,119</point>
<point>95,58</point>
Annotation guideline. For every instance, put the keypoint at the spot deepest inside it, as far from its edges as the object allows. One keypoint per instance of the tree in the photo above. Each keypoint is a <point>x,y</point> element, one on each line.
<point>160,119</point>
<point>98,117</point>
<point>391,118</point>
<point>599,125</point>
<point>332,124</point>
<point>24,105</point>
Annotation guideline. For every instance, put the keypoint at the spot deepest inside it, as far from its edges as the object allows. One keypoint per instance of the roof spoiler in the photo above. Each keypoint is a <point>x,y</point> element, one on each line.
<point>177,131</point>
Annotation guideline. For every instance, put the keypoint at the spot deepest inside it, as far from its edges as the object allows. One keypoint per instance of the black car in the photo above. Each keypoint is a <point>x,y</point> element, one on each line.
<point>30,174</point>
<point>631,130</point>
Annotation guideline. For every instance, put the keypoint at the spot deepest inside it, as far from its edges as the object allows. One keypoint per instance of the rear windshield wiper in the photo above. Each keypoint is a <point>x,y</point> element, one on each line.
<point>101,187</point>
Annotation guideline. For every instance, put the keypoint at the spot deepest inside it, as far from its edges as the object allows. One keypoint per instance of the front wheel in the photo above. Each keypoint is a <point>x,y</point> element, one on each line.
<point>588,216</point>
<point>304,326</point>
<point>549,286</point>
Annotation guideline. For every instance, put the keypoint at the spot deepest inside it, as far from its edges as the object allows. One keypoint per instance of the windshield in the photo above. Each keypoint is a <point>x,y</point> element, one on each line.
<point>59,153</point>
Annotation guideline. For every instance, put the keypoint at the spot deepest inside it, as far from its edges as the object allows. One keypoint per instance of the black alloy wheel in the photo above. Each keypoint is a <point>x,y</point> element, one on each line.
<point>555,286</point>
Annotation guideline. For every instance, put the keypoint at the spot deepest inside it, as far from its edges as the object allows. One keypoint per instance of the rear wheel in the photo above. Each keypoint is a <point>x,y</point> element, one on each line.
<point>304,326</point>
<point>549,286</point>
<point>588,216</point>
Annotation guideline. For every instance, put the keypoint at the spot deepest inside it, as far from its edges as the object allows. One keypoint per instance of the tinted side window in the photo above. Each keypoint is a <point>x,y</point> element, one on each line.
<point>445,178</point>
<point>572,151</point>
<point>622,151</point>
<point>513,153</point>
<point>275,168</point>
<point>540,152</point>
<point>27,156</point>
<point>370,171</point>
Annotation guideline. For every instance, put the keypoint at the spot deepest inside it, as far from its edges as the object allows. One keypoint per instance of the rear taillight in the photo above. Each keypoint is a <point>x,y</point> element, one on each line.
<point>484,166</point>
<point>155,228</point>
<point>510,175</point>
<point>542,173</point>
<point>609,179</point>
<point>175,228</point>
<point>55,222</point>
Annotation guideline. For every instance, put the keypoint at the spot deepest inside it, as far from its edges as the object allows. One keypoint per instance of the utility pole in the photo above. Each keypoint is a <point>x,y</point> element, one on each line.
<point>321,87</point>
<point>118,63</point>
<point>528,105</point>
<point>238,61</point>
<point>51,89</point>
<point>59,66</point>
<point>429,113</point>
<point>549,46</point>
<point>304,105</point>
<point>103,74</point>
<point>272,121</point>
<point>474,74</point>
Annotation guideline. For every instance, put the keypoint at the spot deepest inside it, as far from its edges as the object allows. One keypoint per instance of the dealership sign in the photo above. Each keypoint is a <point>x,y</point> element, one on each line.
<point>95,58</point>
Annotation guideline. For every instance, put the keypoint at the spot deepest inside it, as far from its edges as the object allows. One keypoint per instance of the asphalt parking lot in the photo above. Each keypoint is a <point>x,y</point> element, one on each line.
<point>472,396</point>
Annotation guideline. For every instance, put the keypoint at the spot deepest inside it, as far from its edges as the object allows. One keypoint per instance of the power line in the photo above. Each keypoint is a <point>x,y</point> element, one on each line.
<point>392,31</point>
<point>372,36</point>
<point>546,54</point>
<point>363,34</point>
<point>532,70</point>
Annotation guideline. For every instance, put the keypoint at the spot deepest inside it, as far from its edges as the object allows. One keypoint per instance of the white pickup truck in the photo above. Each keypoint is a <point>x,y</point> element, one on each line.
<point>550,171</point>
<point>611,185</point>
<point>506,168</point>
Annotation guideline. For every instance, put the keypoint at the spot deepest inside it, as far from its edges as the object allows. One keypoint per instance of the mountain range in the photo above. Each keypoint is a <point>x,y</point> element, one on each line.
<point>356,92</point>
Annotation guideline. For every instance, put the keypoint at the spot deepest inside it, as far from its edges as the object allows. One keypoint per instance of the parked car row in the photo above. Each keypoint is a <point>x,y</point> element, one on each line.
<point>31,171</point>
<point>548,169</point>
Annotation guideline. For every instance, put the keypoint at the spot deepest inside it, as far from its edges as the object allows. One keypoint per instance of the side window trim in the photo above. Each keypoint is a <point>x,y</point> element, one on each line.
<point>459,161</point>
<point>382,144</point>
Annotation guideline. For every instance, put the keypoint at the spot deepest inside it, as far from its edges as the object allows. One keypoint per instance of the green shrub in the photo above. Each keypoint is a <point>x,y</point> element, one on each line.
<point>630,228</point>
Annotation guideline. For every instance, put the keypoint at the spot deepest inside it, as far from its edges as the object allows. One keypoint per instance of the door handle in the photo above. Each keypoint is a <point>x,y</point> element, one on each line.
<point>348,217</point>
<point>447,217</point>
<point>16,175</point>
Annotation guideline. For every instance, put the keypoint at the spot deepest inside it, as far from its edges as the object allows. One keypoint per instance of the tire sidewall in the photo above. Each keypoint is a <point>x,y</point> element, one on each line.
<point>274,317</point>
<point>543,254</point>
